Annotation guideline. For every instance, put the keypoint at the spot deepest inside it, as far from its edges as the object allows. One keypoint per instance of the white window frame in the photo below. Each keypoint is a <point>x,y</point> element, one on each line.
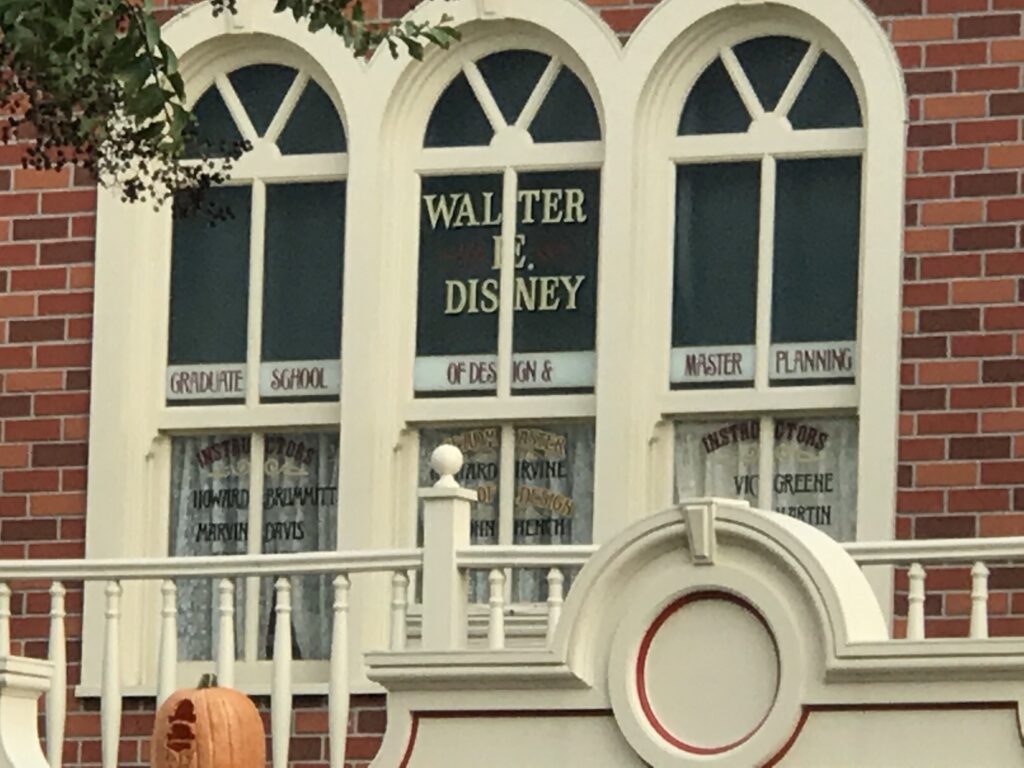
<point>386,103</point>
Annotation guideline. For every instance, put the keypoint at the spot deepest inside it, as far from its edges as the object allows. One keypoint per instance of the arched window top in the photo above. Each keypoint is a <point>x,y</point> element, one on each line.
<point>774,75</point>
<point>515,88</point>
<point>273,103</point>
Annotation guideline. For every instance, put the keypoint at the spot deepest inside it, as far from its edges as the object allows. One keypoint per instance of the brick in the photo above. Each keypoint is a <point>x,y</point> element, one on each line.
<point>1002,421</point>
<point>896,7</point>
<point>984,238</point>
<point>19,205</point>
<point>69,202</point>
<point>78,380</point>
<point>17,306</point>
<point>52,405</point>
<point>624,19</point>
<point>985,184</point>
<point>1004,264</point>
<point>979,500</point>
<point>56,504</point>
<point>31,480</point>
<point>955,54</point>
<point>960,265</point>
<point>988,78</point>
<point>938,320</point>
<point>925,294</point>
<point>953,212</point>
<point>1002,370</point>
<point>1006,156</point>
<point>945,527</point>
<point>932,449</point>
<point>980,345</point>
<point>919,501</point>
<point>65,304</point>
<point>80,277</point>
<point>12,358</point>
<point>987,131</point>
<point>924,28</point>
<point>1004,318</point>
<point>1007,50</point>
<point>1011,209</point>
<point>17,255</point>
<point>930,134</point>
<point>984,291</point>
<point>1002,472</point>
<point>63,455</point>
<point>946,474</point>
<point>936,81</point>
<point>69,252</point>
<point>929,187</point>
<point>76,429</point>
<point>38,279</point>
<point>29,178</point>
<point>83,226</point>
<point>34,381</point>
<point>963,159</point>
<point>948,372</point>
<point>910,56</point>
<point>32,430</point>
<point>947,423</point>
<point>914,347</point>
<point>922,399</point>
<point>946,107</point>
<point>963,448</point>
<point>40,229</point>
<point>13,456</point>
<point>988,25</point>
<point>956,6</point>
<point>926,240</point>
<point>64,355</point>
<point>15,406</point>
<point>1006,104</point>
<point>36,330</point>
<point>28,530</point>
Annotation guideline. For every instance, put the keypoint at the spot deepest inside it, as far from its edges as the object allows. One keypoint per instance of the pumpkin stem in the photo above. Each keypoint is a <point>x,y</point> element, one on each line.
<point>209,680</point>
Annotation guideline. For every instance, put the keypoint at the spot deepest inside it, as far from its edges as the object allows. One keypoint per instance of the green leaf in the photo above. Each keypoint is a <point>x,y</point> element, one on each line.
<point>149,102</point>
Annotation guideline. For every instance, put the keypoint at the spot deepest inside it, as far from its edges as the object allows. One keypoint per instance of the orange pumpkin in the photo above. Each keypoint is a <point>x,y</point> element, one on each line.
<point>208,727</point>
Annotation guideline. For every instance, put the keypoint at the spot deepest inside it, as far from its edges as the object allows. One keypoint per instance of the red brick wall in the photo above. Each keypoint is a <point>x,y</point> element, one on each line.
<point>961,469</point>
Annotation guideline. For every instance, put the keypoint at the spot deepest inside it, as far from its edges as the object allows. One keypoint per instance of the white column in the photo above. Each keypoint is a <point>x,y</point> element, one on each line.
<point>446,511</point>
<point>226,630</point>
<point>167,664</point>
<point>496,625</point>
<point>556,596</point>
<point>21,683</point>
<point>281,693</point>
<point>915,603</point>
<point>110,696</point>
<point>399,610</point>
<point>338,695</point>
<point>5,619</point>
<point>56,699</point>
<point>979,601</point>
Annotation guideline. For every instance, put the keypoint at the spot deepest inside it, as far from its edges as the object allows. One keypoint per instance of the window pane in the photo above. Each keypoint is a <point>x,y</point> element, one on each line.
<point>314,126</point>
<point>828,100</point>
<point>481,450</point>
<point>816,473</point>
<point>817,253</point>
<point>713,105</point>
<point>568,112</point>
<point>556,281</point>
<point>209,302</point>
<point>305,236</point>
<point>300,514</point>
<point>216,132</point>
<point>457,321</point>
<point>769,63</point>
<point>458,119</point>
<point>511,77</point>
<point>717,459</point>
<point>209,516</point>
<point>554,496</point>
<point>261,89</point>
<point>714,314</point>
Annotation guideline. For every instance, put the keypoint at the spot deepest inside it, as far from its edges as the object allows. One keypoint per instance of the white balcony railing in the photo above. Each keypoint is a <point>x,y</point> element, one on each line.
<point>441,567</point>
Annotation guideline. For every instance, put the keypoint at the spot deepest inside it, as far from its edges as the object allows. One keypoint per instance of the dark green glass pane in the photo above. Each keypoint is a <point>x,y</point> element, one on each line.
<point>210,283</point>
<point>511,77</point>
<point>713,105</point>
<point>717,225</point>
<point>261,89</point>
<point>567,113</point>
<point>216,132</point>
<point>458,120</point>
<point>314,126</point>
<point>817,250</point>
<point>769,63</point>
<point>828,100</point>
<point>305,240</point>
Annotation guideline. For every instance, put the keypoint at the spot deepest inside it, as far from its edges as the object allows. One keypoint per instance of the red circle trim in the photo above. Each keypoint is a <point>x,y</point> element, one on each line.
<point>641,664</point>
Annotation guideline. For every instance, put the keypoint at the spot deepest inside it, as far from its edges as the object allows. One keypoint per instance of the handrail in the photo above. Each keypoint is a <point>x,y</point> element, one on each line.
<point>945,551</point>
<point>212,566</point>
<point>525,556</point>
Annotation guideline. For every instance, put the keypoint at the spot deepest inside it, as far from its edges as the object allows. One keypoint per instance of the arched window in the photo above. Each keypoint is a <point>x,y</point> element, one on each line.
<point>768,248</point>
<point>254,341</point>
<point>511,166</point>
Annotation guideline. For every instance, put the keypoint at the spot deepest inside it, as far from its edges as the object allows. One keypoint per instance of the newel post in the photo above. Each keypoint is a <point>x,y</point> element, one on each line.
<point>22,681</point>
<point>446,513</point>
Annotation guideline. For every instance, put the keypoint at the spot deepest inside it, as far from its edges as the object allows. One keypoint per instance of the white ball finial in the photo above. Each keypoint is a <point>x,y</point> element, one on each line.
<point>446,460</point>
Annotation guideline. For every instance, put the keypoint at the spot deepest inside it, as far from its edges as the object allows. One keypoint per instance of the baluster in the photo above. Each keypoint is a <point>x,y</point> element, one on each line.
<point>496,627</point>
<point>226,629</point>
<point>5,619</point>
<point>915,603</point>
<point>110,701</point>
<point>399,609</point>
<point>338,702</point>
<point>281,693</point>
<point>556,595</point>
<point>57,696</point>
<point>167,669</point>
<point>979,601</point>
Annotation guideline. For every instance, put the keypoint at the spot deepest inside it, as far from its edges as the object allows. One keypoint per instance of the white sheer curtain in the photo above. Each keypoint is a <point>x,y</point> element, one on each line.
<point>815,462</point>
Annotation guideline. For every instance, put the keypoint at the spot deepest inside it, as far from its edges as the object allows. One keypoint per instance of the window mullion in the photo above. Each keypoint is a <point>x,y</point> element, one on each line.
<point>255,319</point>
<point>507,495</point>
<point>766,463</point>
<point>254,546</point>
<point>507,275</point>
<point>766,246</point>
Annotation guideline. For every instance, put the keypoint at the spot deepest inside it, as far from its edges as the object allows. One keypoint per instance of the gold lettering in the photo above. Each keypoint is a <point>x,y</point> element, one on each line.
<point>553,199</point>
<point>574,199</point>
<point>572,285</point>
